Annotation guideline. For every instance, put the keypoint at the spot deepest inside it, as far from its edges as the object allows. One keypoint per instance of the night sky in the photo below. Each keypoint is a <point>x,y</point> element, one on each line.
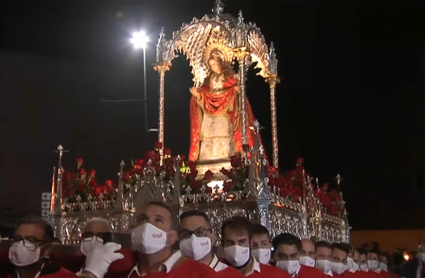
<point>351,100</point>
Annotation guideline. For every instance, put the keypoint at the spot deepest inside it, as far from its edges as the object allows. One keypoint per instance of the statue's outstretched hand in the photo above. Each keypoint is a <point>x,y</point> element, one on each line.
<point>194,92</point>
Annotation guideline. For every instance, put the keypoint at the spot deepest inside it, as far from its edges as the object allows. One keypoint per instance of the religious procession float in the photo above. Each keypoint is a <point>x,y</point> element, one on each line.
<point>227,171</point>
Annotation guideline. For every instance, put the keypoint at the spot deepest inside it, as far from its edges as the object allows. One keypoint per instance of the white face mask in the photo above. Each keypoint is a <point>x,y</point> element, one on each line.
<point>21,255</point>
<point>338,268</point>
<point>383,266</point>
<point>88,244</point>
<point>372,265</point>
<point>324,265</point>
<point>363,267</point>
<point>349,264</point>
<point>237,255</point>
<point>291,266</point>
<point>195,247</point>
<point>262,255</point>
<point>355,267</point>
<point>307,261</point>
<point>148,239</point>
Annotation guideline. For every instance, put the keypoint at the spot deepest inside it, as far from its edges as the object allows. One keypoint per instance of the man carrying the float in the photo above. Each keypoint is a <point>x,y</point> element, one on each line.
<point>236,234</point>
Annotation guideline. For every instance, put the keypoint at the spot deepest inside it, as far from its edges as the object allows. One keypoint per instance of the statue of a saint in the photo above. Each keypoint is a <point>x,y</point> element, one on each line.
<point>215,110</point>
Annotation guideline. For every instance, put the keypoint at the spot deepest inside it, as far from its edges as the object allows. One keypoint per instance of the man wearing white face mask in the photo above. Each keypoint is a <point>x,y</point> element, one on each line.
<point>153,238</point>
<point>197,239</point>
<point>355,263</point>
<point>91,238</point>
<point>30,249</point>
<point>363,261</point>
<point>339,260</point>
<point>373,258</point>
<point>261,245</point>
<point>324,257</point>
<point>236,234</point>
<point>307,254</point>
<point>286,254</point>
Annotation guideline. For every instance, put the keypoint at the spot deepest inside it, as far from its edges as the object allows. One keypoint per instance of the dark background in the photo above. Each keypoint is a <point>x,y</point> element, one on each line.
<point>351,100</point>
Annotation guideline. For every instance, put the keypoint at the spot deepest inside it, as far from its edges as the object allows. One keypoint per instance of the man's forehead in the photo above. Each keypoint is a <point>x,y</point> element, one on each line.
<point>97,227</point>
<point>194,221</point>
<point>260,237</point>
<point>324,250</point>
<point>236,232</point>
<point>30,230</point>
<point>151,210</point>
<point>307,244</point>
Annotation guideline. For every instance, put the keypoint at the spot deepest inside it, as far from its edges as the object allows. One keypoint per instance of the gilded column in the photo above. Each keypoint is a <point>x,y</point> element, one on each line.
<point>241,54</point>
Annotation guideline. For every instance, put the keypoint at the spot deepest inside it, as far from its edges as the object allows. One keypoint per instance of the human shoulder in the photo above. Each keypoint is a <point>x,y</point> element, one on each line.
<point>229,272</point>
<point>198,269</point>
<point>271,271</point>
<point>312,271</point>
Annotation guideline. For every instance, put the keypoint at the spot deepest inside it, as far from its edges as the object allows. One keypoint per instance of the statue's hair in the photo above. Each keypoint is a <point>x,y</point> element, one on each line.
<point>226,68</point>
<point>99,220</point>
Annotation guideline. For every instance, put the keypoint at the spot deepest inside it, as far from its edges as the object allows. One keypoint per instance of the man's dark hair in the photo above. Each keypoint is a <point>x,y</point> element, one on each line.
<point>236,223</point>
<point>174,218</point>
<point>341,246</point>
<point>49,234</point>
<point>199,213</point>
<point>376,251</point>
<point>362,251</point>
<point>258,229</point>
<point>286,239</point>
<point>323,244</point>
<point>347,246</point>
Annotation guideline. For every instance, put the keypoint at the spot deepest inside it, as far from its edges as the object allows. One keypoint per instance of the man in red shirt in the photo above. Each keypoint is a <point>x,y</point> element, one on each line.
<point>324,257</point>
<point>153,238</point>
<point>339,261</point>
<point>308,253</point>
<point>197,239</point>
<point>261,245</point>
<point>236,233</point>
<point>32,243</point>
<point>287,252</point>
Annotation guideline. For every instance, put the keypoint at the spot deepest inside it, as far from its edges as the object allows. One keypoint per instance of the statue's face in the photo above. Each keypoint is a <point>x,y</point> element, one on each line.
<point>215,66</point>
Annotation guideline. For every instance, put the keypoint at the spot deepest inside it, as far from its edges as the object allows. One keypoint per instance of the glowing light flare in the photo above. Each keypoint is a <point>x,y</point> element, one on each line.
<point>139,40</point>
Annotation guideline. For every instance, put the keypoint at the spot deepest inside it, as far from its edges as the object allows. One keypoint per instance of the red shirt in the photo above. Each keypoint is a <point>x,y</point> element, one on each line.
<point>267,271</point>
<point>348,274</point>
<point>310,272</point>
<point>229,272</point>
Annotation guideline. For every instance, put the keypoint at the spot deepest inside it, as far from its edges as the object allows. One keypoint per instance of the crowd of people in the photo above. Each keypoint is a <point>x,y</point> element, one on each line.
<point>247,251</point>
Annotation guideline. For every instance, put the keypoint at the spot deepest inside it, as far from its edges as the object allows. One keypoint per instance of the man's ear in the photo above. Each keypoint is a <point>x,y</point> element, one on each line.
<point>47,250</point>
<point>213,238</point>
<point>173,237</point>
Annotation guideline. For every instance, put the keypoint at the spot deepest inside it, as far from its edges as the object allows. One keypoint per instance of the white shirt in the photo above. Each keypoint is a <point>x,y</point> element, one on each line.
<point>216,264</point>
<point>255,268</point>
<point>167,265</point>
<point>329,273</point>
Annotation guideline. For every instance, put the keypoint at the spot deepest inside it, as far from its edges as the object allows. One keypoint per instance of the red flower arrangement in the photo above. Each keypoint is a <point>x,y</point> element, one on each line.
<point>84,184</point>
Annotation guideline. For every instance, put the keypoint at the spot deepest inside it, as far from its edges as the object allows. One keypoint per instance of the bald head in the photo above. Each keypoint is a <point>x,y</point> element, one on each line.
<point>308,248</point>
<point>97,226</point>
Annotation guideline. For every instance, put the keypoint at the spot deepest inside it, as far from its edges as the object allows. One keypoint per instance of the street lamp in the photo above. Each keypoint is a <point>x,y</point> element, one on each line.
<point>140,40</point>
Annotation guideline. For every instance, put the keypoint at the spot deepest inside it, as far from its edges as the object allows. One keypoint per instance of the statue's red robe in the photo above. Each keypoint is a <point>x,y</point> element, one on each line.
<point>227,102</point>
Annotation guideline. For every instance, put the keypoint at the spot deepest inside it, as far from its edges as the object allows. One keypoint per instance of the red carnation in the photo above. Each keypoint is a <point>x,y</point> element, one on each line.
<point>108,182</point>
<point>158,145</point>
<point>79,162</point>
<point>92,173</point>
<point>167,152</point>
<point>83,172</point>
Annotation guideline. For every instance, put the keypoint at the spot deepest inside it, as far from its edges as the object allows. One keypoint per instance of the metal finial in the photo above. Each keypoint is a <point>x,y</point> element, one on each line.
<point>338,179</point>
<point>122,163</point>
<point>218,7</point>
<point>162,31</point>
<point>240,17</point>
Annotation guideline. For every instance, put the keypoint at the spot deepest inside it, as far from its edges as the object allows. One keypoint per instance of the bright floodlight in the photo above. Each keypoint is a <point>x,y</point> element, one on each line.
<point>139,40</point>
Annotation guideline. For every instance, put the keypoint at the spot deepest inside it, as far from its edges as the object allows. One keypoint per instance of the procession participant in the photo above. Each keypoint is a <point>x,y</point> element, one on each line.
<point>324,257</point>
<point>307,254</point>
<point>197,239</point>
<point>339,260</point>
<point>356,260</point>
<point>287,249</point>
<point>29,252</point>
<point>261,245</point>
<point>236,234</point>
<point>91,237</point>
<point>363,260</point>
<point>153,239</point>
<point>373,259</point>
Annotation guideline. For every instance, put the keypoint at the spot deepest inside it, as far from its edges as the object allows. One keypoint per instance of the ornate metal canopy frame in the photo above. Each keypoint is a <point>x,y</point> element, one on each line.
<point>236,41</point>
